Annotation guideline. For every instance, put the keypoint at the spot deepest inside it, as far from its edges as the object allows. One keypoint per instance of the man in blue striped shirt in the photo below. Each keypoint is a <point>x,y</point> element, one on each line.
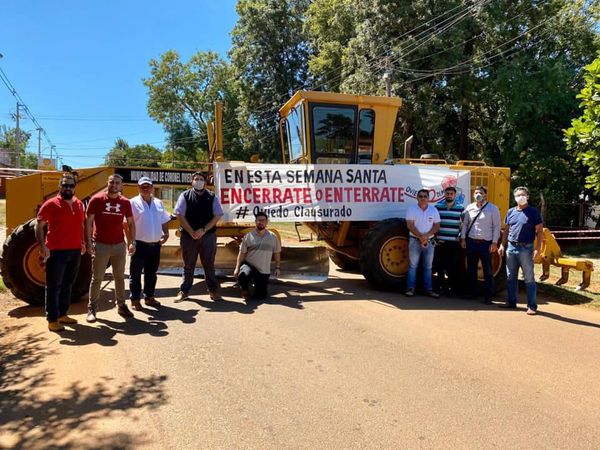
<point>448,255</point>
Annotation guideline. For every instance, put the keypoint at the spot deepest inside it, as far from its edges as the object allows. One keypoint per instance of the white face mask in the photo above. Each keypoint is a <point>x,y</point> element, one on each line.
<point>478,197</point>
<point>521,200</point>
<point>198,184</point>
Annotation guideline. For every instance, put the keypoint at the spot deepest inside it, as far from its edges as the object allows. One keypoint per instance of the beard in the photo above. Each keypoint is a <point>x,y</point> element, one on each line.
<point>67,195</point>
<point>261,226</point>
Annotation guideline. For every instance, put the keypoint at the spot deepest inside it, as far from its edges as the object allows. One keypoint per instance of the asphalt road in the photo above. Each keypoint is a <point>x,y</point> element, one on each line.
<point>328,365</point>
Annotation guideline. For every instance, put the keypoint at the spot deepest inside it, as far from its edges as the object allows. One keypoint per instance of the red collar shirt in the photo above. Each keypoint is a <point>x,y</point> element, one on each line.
<point>65,223</point>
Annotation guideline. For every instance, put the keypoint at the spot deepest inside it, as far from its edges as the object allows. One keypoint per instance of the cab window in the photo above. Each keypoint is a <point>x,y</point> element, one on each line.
<point>366,135</point>
<point>293,132</point>
<point>334,133</point>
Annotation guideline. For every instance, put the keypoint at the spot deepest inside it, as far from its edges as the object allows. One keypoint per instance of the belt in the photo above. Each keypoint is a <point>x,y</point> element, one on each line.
<point>479,241</point>
<point>147,243</point>
<point>516,243</point>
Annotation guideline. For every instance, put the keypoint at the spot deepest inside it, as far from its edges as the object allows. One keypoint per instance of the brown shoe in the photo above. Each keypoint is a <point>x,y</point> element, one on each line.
<point>151,301</point>
<point>55,326</point>
<point>136,305</point>
<point>66,319</point>
<point>214,296</point>
<point>123,311</point>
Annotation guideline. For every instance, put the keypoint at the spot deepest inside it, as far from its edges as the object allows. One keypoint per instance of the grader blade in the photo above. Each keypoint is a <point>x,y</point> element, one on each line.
<point>297,263</point>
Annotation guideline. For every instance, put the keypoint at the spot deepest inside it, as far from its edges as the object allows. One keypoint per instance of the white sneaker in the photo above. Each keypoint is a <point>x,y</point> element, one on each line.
<point>181,296</point>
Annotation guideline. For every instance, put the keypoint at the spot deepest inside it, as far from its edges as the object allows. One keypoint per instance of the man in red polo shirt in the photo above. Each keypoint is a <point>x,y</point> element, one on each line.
<point>106,214</point>
<point>61,247</point>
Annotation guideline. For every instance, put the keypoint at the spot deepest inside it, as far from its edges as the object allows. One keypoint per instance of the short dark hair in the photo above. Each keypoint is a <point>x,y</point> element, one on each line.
<point>521,188</point>
<point>199,174</point>
<point>261,214</point>
<point>450,188</point>
<point>426,191</point>
<point>480,188</point>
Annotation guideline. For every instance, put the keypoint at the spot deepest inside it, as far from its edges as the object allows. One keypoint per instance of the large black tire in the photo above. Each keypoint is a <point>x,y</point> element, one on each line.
<point>342,261</point>
<point>23,272</point>
<point>384,255</point>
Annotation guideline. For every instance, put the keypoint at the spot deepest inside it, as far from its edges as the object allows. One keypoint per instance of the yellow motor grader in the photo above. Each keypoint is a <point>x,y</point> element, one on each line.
<point>316,128</point>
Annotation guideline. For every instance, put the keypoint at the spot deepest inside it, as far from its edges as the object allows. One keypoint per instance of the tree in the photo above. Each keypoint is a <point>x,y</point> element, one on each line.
<point>144,155</point>
<point>181,96</point>
<point>269,55</point>
<point>583,137</point>
<point>8,141</point>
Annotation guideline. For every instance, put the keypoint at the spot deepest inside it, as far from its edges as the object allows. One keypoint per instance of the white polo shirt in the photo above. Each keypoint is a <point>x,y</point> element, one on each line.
<point>423,219</point>
<point>148,218</point>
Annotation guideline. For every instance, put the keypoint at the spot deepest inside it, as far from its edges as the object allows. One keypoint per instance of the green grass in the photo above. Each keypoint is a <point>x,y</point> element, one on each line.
<point>2,212</point>
<point>3,288</point>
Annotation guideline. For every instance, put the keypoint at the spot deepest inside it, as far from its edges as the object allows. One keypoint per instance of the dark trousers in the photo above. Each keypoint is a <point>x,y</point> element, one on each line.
<point>249,275</point>
<point>61,270</point>
<point>207,249</point>
<point>480,251</point>
<point>448,262</point>
<point>145,259</point>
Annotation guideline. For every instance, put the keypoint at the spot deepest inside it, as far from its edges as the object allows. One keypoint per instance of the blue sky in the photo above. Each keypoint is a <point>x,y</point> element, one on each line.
<point>78,65</point>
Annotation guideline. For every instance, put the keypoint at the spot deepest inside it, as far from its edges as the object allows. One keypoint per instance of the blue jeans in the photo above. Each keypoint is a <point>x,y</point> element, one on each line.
<point>415,253</point>
<point>480,251</point>
<point>61,270</point>
<point>520,256</point>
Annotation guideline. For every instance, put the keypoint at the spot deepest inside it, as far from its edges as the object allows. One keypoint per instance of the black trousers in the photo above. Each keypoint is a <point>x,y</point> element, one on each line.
<point>448,262</point>
<point>145,259</point>
<point>250,275</point>
<point>61,270</point>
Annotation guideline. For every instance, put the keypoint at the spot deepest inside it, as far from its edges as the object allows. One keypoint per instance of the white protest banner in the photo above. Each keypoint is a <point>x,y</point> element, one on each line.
<point>329,192</point>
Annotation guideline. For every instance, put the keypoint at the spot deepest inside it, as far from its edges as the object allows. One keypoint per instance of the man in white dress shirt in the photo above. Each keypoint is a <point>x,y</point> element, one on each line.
<point>152,230</point>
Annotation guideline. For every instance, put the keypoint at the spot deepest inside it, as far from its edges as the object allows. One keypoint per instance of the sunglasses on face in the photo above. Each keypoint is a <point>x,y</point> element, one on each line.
<point>67,186</point>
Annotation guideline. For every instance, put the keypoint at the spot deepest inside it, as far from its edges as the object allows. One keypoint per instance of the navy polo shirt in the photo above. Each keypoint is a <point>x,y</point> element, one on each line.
<point>522,224</point>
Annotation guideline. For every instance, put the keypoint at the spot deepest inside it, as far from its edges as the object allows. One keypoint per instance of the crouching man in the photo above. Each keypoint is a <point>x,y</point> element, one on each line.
<point>254,259</point>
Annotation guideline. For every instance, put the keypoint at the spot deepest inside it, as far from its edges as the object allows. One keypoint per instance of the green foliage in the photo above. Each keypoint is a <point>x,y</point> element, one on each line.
<point>143,155</point>
<point>269,56</point>
<point>583,137</point>
<point>181,96</point>
<point>8,140</point>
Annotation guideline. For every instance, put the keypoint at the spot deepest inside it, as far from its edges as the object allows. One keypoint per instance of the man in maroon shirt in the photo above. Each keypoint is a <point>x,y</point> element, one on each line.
<point>61,247</point>
<point>106,214</point>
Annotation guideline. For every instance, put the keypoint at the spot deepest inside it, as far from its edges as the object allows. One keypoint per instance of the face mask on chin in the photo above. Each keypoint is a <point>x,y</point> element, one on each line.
<point>198,185</point>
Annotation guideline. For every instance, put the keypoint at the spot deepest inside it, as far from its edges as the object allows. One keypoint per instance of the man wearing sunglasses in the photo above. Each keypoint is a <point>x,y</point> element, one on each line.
<point>61,248</point>
<point>423,222</point>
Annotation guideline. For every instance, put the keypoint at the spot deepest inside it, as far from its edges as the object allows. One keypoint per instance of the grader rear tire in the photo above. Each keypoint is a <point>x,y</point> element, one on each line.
<point>384,255</point>
<point>24,273</point>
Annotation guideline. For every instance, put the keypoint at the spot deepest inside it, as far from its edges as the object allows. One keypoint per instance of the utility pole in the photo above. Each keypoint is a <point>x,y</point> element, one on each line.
<point>18,139</point>
<point>39,130</point>
<point>387,77</point>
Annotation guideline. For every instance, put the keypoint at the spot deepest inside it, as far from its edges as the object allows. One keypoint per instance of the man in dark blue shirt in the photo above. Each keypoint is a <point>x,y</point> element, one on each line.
<point>523,225</point>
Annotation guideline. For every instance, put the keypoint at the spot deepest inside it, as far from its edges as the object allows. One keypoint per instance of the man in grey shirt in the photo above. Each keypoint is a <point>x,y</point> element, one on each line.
<point>254,259</point>
<point>479,236</point>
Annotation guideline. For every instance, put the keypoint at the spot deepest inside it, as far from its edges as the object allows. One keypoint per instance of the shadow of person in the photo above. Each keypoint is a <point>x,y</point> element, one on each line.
<point>135,326</point>
<point>79,334</point>
<point>225,306</point>
<point>166,313</point>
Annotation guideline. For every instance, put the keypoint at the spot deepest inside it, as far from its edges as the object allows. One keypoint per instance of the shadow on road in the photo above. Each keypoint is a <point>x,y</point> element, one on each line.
<point>33,415</point>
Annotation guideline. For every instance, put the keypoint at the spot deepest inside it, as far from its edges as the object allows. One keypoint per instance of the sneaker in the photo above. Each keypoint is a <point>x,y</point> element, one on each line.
<point>123,311</point>
<point>66,319</point>
<point>531,312</point>
<point>181,296</point>
<point>55,326</point>
<point>151,301</point>
<point>214,296</point>
<point>91,317</point>
<point>245,294</point>
<point>432,294</point>
<point>508,306</point>
<point>136,305</point>
<point>410,292</point>
<point>488,301</point>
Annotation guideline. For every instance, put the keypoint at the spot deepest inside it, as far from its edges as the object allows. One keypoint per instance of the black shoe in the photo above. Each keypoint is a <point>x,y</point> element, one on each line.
<point>508,306</point>
<point>432,294</point>
<point>488,301</point>
<point>124,311</point>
